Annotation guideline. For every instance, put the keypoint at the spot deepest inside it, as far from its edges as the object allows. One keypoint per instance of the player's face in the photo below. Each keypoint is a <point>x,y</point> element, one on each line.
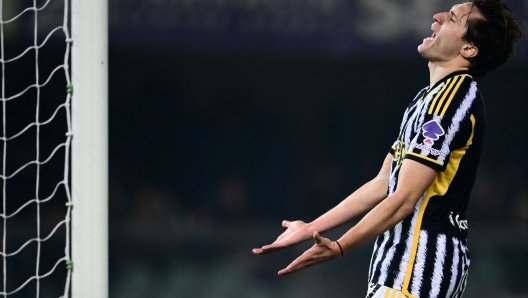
<point>448,28</point>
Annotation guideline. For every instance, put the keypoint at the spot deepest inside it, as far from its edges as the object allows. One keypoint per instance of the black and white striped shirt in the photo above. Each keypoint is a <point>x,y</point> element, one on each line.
<point>425,255</point>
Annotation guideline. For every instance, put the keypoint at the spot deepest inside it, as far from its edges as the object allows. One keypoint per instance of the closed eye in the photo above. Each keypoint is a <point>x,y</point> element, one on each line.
<point>453,16</point>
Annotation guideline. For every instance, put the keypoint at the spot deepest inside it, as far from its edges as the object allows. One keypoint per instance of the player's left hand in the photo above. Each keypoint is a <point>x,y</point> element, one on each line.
<point>323,250</point>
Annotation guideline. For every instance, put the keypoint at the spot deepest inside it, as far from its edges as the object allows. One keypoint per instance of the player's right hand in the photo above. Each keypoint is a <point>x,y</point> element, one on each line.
<point>296,232</point>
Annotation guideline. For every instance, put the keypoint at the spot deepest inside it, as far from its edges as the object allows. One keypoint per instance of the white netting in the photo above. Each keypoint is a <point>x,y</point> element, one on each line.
<point>36,203</point>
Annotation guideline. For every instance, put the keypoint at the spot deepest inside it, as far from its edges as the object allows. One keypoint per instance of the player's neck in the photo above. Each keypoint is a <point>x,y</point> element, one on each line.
<point>439,70</point>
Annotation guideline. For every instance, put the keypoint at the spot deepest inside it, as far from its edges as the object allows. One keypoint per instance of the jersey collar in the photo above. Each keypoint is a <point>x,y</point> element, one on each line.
<point>456,73</point>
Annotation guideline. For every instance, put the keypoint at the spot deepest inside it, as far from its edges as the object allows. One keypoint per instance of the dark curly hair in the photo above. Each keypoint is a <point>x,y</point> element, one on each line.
<point>494,35</point>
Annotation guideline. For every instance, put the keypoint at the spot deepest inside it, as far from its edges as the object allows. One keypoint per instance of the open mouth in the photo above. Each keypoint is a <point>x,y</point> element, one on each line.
<point>431,37</point>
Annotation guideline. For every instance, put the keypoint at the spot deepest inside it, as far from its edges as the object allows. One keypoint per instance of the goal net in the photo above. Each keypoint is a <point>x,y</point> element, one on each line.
<point>36,134</point>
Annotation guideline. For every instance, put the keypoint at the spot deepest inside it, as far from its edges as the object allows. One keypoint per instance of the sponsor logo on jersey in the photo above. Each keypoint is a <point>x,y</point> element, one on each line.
<point>432,151</point>
<point>399,152</point>
<point>462,224</point>
<point>431,131</point>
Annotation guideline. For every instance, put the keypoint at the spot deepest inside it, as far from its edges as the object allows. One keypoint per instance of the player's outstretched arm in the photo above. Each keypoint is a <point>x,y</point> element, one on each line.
<point>414,179</point>
<point>358,203</point>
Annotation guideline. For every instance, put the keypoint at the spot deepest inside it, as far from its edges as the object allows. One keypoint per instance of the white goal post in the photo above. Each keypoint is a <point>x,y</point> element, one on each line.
<point>90,148</point>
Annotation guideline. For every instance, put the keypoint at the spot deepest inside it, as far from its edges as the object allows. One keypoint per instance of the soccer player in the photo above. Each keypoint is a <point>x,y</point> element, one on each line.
<point>416,205</point>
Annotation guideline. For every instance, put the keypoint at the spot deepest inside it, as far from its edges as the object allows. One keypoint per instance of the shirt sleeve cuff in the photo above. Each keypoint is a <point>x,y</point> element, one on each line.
<point>434,164</point>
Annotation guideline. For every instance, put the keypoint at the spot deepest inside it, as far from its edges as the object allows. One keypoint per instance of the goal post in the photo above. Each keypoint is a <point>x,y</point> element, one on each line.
<point>90,148</point>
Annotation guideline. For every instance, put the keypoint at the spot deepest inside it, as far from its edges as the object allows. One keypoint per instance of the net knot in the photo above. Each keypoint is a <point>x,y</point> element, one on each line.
<point>69,88</point>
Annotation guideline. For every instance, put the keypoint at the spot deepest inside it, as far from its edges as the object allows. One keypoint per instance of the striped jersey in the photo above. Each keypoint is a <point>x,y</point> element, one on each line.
<point>425,255</point>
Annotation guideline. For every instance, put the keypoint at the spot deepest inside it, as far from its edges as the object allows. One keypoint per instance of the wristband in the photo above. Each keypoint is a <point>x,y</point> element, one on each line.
<point>340,248</point>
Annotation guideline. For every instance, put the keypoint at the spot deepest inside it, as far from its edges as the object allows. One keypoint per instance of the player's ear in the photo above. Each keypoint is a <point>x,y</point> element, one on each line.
<point>469,51</point>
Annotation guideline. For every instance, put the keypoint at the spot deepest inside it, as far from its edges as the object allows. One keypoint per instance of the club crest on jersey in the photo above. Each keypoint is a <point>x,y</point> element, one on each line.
<point>432,130</point>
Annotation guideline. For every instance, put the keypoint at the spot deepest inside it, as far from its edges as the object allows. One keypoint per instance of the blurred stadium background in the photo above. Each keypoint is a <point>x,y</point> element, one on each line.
<point>227,116</point>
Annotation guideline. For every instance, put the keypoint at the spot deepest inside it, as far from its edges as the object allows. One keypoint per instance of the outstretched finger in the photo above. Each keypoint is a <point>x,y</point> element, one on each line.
<point>266,249</point>
<point>298,264</point>
<point>285,224</point>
